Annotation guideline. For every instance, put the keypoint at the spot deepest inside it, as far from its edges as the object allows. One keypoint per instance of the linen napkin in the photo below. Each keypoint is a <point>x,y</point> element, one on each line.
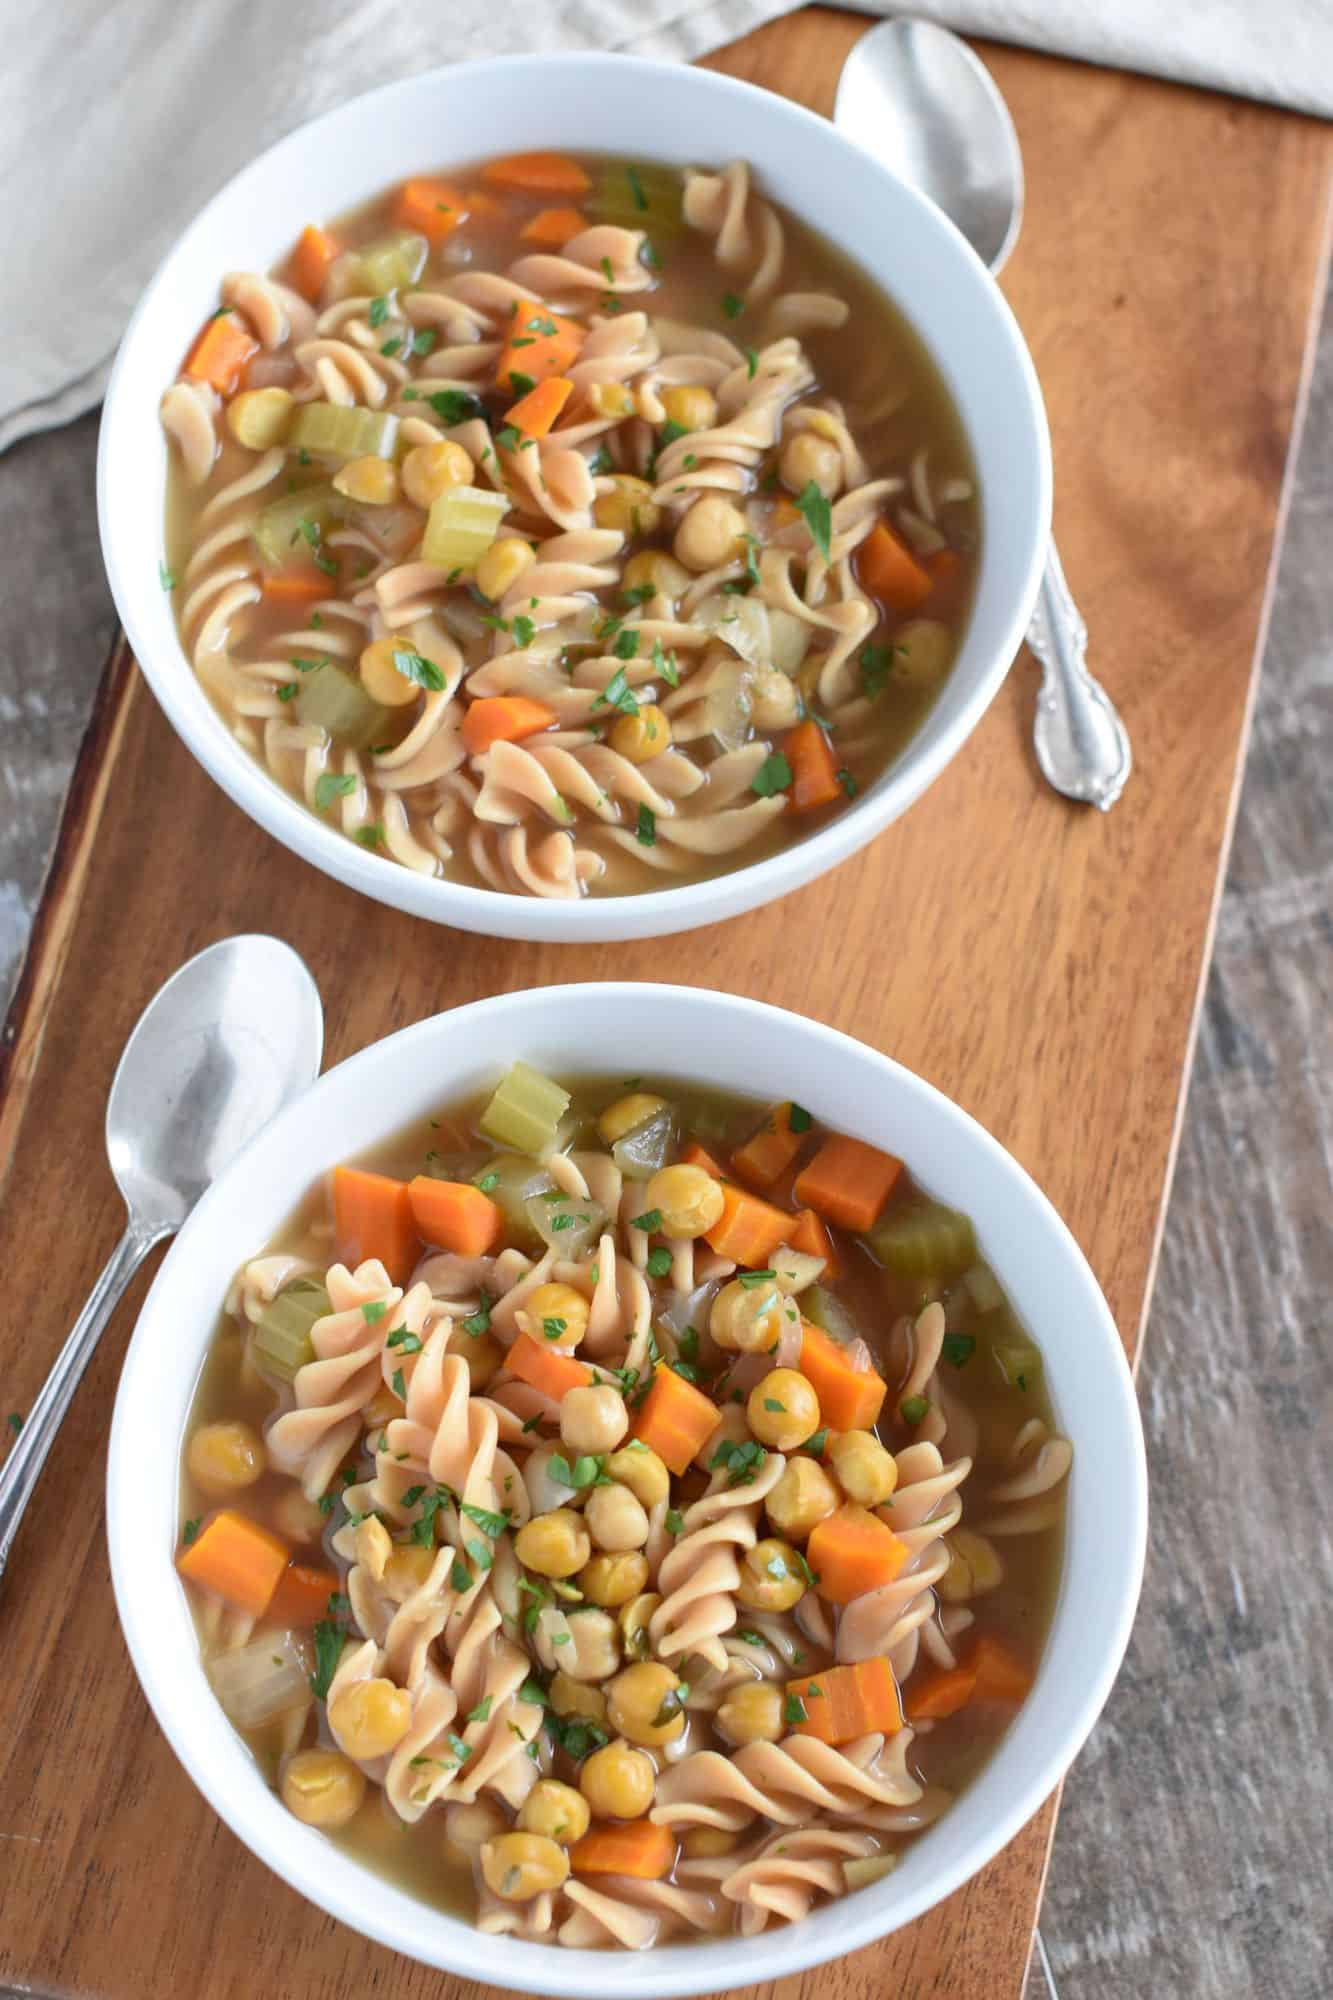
<point>119,118</point>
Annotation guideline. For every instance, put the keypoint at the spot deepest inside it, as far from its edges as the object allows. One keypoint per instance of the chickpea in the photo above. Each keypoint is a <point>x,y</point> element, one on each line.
<point>611,1580</point>
<point>555,1314</point>
<point>640,1468</point>
<point>810,460</point>
<point>974,1567</point>
<point>751,1713</point>
<point>618,1782</point>
<point>555,1544</point>
<point>866,1472</point>
<point>570,1697</point>
<point>644,1705</point>
<point>296,1518</point>
<point>627,1114</point>
<point>710,534</point>
<point>643,736</point>
<point>629,507</point>
<point>803,1496</point>
<point>406,1570</point>
<point>616,1520</point>
<point>369,1718</point>
<point>482,1357</point>
<point>690,405</point>
<point>690,1200</point>
<point>653,566</point>
<point>431,469</point>
<point>502,565</point>
<point>469,1825</point>
<point>371,481</point>
<point>226,1457</point>
<point>380,676</point>
<point>258,418</point>
<point>556,1811</point>
<point>593,1652</point>
<point>747,1319</point>
<point>373,1547</point>
<point>924,652</point>
<point>783,1409</point>
<point>771,1578</point>
<point>612,399</point>
<point>774,701</point>
<point>519,1866</point>
<point>634,1618</point>
<point>593,1419</point>
<point>706,1842</point>
<point>322,1787</point>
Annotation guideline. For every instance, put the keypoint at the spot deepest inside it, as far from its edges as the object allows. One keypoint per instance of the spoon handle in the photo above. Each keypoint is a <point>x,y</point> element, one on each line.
<point>1080,741</point>
<point>22,1469</point>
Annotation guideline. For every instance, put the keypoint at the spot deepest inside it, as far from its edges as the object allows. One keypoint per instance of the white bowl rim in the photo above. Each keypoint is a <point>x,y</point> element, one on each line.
<point>489,912</point>
<point>554,1970</point>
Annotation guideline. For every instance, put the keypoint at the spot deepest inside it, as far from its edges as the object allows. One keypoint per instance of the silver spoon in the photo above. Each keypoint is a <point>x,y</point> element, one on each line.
<point>232,1037</point>
<point>916,97</point>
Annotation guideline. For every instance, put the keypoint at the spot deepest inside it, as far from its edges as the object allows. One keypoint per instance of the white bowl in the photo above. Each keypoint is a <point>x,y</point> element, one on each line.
<point>650,110</point>
<point>740,1045</point>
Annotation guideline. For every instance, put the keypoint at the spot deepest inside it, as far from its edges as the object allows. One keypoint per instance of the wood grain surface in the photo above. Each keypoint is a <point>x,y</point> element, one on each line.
<point>1039,962</point>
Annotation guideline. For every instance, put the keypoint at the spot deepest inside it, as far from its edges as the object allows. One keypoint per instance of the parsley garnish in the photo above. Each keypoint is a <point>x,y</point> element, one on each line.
<point>751,362</point>
<point>627,644</point>
<point>165,577</point>
<point>288,691</point>
<point>748,1280</point>
<point>659,1263</point>
<point>617,694</point>
<point>798,1118</point>
<point>774,775</point>
<point>482,1711</point>
<point>732,306</point>
<point>814,505</point>
<point>455,406</point>
<point>479,1322</point>
<point>793,1709</point>
<point>675,1521</point>
<point>553,1328</point>
<point>398,1385</point>
<point>875,663</point>
<point>379,310</point>
<point>520,385</point>
<point>370,836</point>
<point>188,1532</point>
<point>425,339</point>
<point>331,785</point>
<point>914,1409</point>
<point>373,1311</point>
<point>524,630</point>
<point>417,669</point>
<point>636,189</point>
<point>742,1461</point>
<point>958,1348</point>
<point>328,1652</point>
<point>650,1220</point>
<point>589,1470</point>
<point>847,781</point>
<point>646,830</point>
<point>816,1444</point>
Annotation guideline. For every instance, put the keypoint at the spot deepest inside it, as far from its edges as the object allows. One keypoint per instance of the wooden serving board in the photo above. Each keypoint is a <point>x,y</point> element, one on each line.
<point>1041,963</point>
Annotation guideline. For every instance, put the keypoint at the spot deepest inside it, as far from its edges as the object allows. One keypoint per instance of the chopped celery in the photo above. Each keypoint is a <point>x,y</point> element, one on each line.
<point>820,1305</point>
<point>462,526</point>
<point>923,1239</point>
<point>566,1225</point>
<point>983,1288</point>
<point>525,1111</point>
<point>300,517</point>
<point>338,433</point>
<point>511,1182</point>
<point>261,1680</point>
<point>649,1146</point>
<point>1019,1362</point>
<point>282,1334</point>
<point>639,196</point>
<point>335,699</point>
<point>392,262</point>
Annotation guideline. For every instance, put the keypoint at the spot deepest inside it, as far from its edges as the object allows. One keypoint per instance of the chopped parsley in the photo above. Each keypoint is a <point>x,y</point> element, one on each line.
<point>289,691</point>
<point>398,1385</point>
<point>519,384</point>
<point>490,1523</point>
<point>650,1220</point>
<point>416,668</point>
<point>460,1577</point>
<point>751,362</point>
<point>659,1263</point>
<point>424,339</point>
<point>373,1311</point>
<point>479,1322</point>
<point>958,1348</point>
<point>617,694</point>
<point>732,306</point>
<point>455,406</point>
<point>774,775</point>
<point>914,1408</point>
<point>331,785</point>
<point>588,1470</point>
<point>798,1118</point>
<point>646,830</point>
<point>741,1460</point>
<point>165,577</point>
<point>772,1403</point>
<point>627,644</point>
<point>748,1280</point>
<point>847,781</point>
<point>370,836</point>
<point>794,1709</point>
<point>553,1328</point>
<point>817,1444</point>
<point>379,310</point>
<point>636,189</point>
<point>328,1652</point>
<point>188,1532</point>
<point>524,630</point>
<point>816,509</point>
<point>673,1704</point>
<point>876,663</point>
<point>664,663</point>
<point>675,1521</point>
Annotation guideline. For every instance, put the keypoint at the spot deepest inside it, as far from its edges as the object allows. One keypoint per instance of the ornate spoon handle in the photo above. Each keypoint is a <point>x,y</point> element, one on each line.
<point>1081,743</point>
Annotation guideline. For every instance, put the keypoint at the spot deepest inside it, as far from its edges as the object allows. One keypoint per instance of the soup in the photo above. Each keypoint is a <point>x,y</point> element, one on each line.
<point>620,1513</point>
<point>568,527</point>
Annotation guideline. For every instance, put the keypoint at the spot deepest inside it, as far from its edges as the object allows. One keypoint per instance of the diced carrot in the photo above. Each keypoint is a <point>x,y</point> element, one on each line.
<point>767,1154</point>
<point>814,770</point>
<point>695,1155</point>
<point>537,173</point>
<point>432,208</point>
<point>503,718</point>
<point>748,1230</point>
<point>535,413</point>
<point>1000,1674</point>
<point>635,1847</point>
<point>930,1697</point>
<point>848,1182</point>
<point>785,511</point>
<point>237,1558</point>
<point>454,1215</point>
<point>674,1419</point>
<point>540,343</point>
<point>546,1368</point>
<point>889,571</point>
<point>372,1217</point>
<point>851,1552</point>
<point>842,1703</point>
<point>850,1398</point>
<point>294,588</point>
<point>303,1593</point>
<point>315,251</point>
<point>552,228</point>
<point>811,1235</point>
<point>222,350</point>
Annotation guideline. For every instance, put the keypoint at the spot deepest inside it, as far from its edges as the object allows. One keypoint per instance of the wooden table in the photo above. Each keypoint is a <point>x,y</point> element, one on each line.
<point>1041,963</point>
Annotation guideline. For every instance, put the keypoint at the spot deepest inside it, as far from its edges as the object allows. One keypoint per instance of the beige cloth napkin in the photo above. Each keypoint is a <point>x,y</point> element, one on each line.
<point>119,118</point>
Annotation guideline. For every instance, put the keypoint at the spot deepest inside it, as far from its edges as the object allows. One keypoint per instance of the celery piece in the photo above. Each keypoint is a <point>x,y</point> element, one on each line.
<point>525,1111</point>
<point>462,526</point>
<point>261,1680</point>
<point>334,699</point>
<point>512,1181</point>
<point>1019,1363</point>
<point>566,1225</point>
<point>282,1334</point>
<point>392,262</point>
<point>923,1239</point>
<point>639,196</point>
<point>337,433</point>
<point>822,1307</point>
<point>649,1146</point>
<point>983,1288</point>
<point>294,524</point>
